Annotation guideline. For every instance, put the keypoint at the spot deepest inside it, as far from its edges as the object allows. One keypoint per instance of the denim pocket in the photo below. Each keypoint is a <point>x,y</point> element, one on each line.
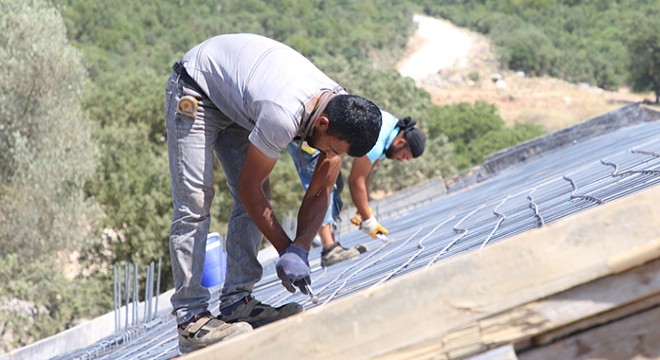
<point>173,120</point>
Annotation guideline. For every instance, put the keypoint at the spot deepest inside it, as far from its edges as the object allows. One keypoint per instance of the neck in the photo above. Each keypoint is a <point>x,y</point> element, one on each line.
<point>313,109</point>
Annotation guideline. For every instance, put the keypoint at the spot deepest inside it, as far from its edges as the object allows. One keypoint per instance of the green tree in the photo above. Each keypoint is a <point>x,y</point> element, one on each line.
<point>644,51</point>
<point>46,154</point>
<point>464,122</point>
<point>496,140</point>
<point>476,130</point>
<point>579,41</point>
<point>45,143</point>
<point>527,49</point>
<point>132,182</point>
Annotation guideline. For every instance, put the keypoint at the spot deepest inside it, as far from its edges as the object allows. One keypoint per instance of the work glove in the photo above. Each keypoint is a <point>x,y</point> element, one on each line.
<point>293,269</point>
<point>357,219</point>
<point>373,228</point>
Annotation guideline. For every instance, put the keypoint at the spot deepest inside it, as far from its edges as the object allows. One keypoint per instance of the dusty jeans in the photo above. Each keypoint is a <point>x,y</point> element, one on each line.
<point>191,144</point>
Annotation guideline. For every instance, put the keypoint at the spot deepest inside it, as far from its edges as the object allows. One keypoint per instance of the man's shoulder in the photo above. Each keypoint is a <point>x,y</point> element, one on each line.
<point>388,118</point>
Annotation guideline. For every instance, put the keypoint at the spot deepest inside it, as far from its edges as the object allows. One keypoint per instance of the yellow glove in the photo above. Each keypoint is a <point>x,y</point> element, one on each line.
<point>373,228</point>
<point>357,220</point>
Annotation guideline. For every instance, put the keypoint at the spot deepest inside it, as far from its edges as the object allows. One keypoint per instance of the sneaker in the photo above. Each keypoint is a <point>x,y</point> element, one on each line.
<point>339,254</point>
<point>204,330</point>
<point>256,313</point>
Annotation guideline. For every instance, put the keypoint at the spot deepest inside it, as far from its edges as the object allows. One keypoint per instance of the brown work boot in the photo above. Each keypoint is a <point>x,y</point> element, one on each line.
<point>339,254</point>
<point>204,330</point>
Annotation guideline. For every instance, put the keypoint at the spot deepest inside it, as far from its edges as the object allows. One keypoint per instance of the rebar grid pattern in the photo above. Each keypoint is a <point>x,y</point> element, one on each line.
<point>533,194</point>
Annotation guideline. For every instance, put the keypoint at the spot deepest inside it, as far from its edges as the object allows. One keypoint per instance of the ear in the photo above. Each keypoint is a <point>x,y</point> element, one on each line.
<point>400,140</point>
<point>322,121</point>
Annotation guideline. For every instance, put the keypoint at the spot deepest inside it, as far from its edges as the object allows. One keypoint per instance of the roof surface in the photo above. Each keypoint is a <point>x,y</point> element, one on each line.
<point>527,195</point>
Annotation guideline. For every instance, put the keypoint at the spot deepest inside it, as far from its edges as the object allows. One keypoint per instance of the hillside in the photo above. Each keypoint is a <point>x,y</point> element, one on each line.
<point>457,65</point>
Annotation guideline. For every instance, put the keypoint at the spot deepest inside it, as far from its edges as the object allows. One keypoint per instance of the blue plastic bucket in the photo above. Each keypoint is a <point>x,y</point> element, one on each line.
<point>215,263</point>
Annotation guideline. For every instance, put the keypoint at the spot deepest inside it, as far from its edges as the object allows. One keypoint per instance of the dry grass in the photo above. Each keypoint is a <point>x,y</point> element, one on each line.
<point>551,103</point>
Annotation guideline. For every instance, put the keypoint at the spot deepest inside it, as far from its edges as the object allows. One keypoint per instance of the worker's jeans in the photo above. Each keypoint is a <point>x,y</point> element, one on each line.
<point>305,163</point>
<point>191,145</point>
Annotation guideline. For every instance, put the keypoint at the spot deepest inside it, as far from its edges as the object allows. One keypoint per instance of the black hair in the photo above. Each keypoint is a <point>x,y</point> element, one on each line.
<point>355,120</point>
<point>415,137</point>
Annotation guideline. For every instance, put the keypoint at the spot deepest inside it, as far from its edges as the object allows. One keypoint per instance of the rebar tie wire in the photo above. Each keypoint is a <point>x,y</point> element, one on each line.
<point>414,256</point>
<point>367,264</point>
<point>501,217</point>
<point>534,206</point>
<point>651,153</point>
<point>456,229</point>
<point>585,197</point>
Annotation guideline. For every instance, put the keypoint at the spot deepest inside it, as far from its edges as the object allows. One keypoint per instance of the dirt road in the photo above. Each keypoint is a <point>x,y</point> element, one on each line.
<point>457,65</point>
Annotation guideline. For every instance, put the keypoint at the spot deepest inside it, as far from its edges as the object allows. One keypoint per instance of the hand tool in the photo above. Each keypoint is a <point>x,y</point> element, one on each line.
<point>308,288</point>
<point>382,237</point>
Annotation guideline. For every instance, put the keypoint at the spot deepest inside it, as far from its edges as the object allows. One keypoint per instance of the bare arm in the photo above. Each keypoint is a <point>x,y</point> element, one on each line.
<point>316,200</point>
<point>256,169</point>
<point>358,184</point>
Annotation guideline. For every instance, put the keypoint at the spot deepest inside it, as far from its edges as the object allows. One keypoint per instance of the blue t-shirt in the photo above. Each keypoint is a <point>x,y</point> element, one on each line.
<point>388,131</point>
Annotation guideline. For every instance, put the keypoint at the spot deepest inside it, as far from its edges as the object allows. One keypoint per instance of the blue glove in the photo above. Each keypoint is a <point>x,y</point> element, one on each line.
<point>293,269</point>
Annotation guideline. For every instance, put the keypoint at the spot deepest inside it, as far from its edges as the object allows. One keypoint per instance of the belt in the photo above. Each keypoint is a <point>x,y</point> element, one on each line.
<point>187,79</point>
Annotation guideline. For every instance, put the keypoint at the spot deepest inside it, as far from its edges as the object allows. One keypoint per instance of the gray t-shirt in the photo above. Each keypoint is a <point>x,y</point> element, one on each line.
<point>259,83</point>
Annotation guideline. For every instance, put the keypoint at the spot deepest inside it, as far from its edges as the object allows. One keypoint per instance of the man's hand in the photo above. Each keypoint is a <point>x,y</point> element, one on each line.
<point>293,269</point>
<point>372,227</point>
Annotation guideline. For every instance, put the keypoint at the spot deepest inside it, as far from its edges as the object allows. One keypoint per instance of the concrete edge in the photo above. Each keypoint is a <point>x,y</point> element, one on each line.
<point>82,335</point>
<point>103,326</point>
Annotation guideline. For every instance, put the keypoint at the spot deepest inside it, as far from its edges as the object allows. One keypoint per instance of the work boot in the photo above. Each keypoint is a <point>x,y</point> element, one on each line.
<point>204,330</point>
<point>338,254</point>
<point>256,313</point>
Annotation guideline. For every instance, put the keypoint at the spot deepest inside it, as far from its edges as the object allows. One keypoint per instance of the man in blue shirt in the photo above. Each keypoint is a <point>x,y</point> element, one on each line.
<point>398,140</point>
